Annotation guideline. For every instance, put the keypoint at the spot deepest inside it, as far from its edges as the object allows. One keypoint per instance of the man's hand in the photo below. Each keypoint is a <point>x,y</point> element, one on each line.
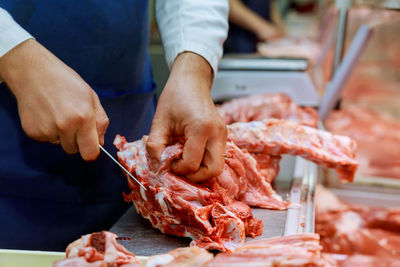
<point>266,31</point>
<point>185,109</point>
<point>54,103</point>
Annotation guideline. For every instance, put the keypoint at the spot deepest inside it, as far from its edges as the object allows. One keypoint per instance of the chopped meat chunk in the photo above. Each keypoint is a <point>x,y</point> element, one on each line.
<point>267,106</point>
<point>216,214</point>
<point>377,136</point>
<point>207,213</point>
<point>99,249</point>
<point>276,137</point>
<point>355,229</point>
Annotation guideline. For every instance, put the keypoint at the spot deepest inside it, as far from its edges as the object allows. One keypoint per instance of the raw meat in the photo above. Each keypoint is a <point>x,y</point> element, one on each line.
<point>367,89</point>
<point>356,229</point>
<point>276,137</point>
<point>362,260</point>
<point>216,214</point>
<point>181,257</point>
<point>267,106</point>
<point>377,137</point>
<point>290,47</point>
<point>99,249</point>
<point>206,213</point>
<point>294,250</point>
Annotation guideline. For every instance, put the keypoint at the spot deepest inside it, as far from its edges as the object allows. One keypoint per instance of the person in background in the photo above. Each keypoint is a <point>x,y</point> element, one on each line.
<point>75,74</point>
<point>252,21</point>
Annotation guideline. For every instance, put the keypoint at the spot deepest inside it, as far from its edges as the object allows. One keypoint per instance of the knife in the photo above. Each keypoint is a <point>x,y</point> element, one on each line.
<point>122,167</point>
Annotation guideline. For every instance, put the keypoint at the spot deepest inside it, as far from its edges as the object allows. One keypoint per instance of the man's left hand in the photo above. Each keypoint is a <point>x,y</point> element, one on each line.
<point>185,109</point>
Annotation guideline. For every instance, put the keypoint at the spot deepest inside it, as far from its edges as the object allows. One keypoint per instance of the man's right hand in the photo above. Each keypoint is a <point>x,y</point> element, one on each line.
<point>54,103</point>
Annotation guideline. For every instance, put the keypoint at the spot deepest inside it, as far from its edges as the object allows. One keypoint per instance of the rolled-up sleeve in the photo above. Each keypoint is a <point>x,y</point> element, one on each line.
<point>198,26</point>
<point>11,34</point>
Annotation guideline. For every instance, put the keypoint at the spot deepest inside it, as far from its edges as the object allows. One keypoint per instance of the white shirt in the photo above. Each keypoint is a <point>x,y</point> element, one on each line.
<point>198,26</point>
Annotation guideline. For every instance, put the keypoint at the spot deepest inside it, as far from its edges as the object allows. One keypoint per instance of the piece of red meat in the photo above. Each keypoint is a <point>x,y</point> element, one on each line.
<point>356,229</point>
<point>277,137</point>
<point>267,106</point>
<point>99,249</point>
<point>207,213</point>
<point>216,214</point>
<point>377,136</point>
<point>293,250</point>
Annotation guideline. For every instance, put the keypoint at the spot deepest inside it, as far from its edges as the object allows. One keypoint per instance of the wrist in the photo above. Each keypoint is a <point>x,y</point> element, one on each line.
<point>16,60</point>
<point>193,66</point>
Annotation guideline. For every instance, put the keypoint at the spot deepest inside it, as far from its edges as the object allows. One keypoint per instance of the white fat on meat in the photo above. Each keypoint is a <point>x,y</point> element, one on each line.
<point>349,222</point>
<point>181,257</point>
<point>159,260</point>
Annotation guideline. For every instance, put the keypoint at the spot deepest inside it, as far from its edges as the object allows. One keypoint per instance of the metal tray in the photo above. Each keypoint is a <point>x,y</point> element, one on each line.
<point>369,198</point>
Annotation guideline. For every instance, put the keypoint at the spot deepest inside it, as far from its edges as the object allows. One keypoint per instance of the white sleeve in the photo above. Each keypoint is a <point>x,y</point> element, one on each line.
<point>11,34</point>
<point>198,26</point>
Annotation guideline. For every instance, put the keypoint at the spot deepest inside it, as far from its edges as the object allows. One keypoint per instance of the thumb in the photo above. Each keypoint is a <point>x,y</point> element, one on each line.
<point>157,141</point>
<point>102,120</point>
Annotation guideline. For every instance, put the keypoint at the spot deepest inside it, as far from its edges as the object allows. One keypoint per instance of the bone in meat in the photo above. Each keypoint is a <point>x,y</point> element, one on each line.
<point>206,213</point>
<point>215,214</point>
<point>99,249</point>
<point>267,106</point>
<point>276,137</point>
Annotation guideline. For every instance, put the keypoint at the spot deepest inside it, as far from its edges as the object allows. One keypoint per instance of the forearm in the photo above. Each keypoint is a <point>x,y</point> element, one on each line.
<point>276,16</point>
<point>244,17</point>
<point>18,59</point>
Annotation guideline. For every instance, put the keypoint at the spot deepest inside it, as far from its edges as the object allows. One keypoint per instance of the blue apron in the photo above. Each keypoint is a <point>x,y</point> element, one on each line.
<point>47,197</point>
<point>240,40</point>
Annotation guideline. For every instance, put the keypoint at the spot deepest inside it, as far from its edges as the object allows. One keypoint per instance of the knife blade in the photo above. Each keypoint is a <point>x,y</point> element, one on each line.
<point>122,167</point>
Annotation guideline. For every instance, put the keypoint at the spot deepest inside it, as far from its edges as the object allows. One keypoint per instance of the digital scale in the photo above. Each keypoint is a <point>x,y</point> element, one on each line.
<point>240,75</point>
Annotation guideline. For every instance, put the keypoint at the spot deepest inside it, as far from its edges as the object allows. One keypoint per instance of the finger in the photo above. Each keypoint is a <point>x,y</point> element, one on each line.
<point>68,142</point>
<point>102,120</point>
<point>193,151</point>
<point>213,160</point>
<point>157,141</point>
<point>88,140</point>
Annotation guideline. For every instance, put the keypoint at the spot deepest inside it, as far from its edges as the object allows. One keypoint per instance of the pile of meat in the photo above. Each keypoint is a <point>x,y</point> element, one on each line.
<point>377,137</point>
<point>267,106</point>
<point>294,250</point>
<point>99,249</point>
<point>217,214</point>
<point>102,250</point>
<point>356,229</point>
